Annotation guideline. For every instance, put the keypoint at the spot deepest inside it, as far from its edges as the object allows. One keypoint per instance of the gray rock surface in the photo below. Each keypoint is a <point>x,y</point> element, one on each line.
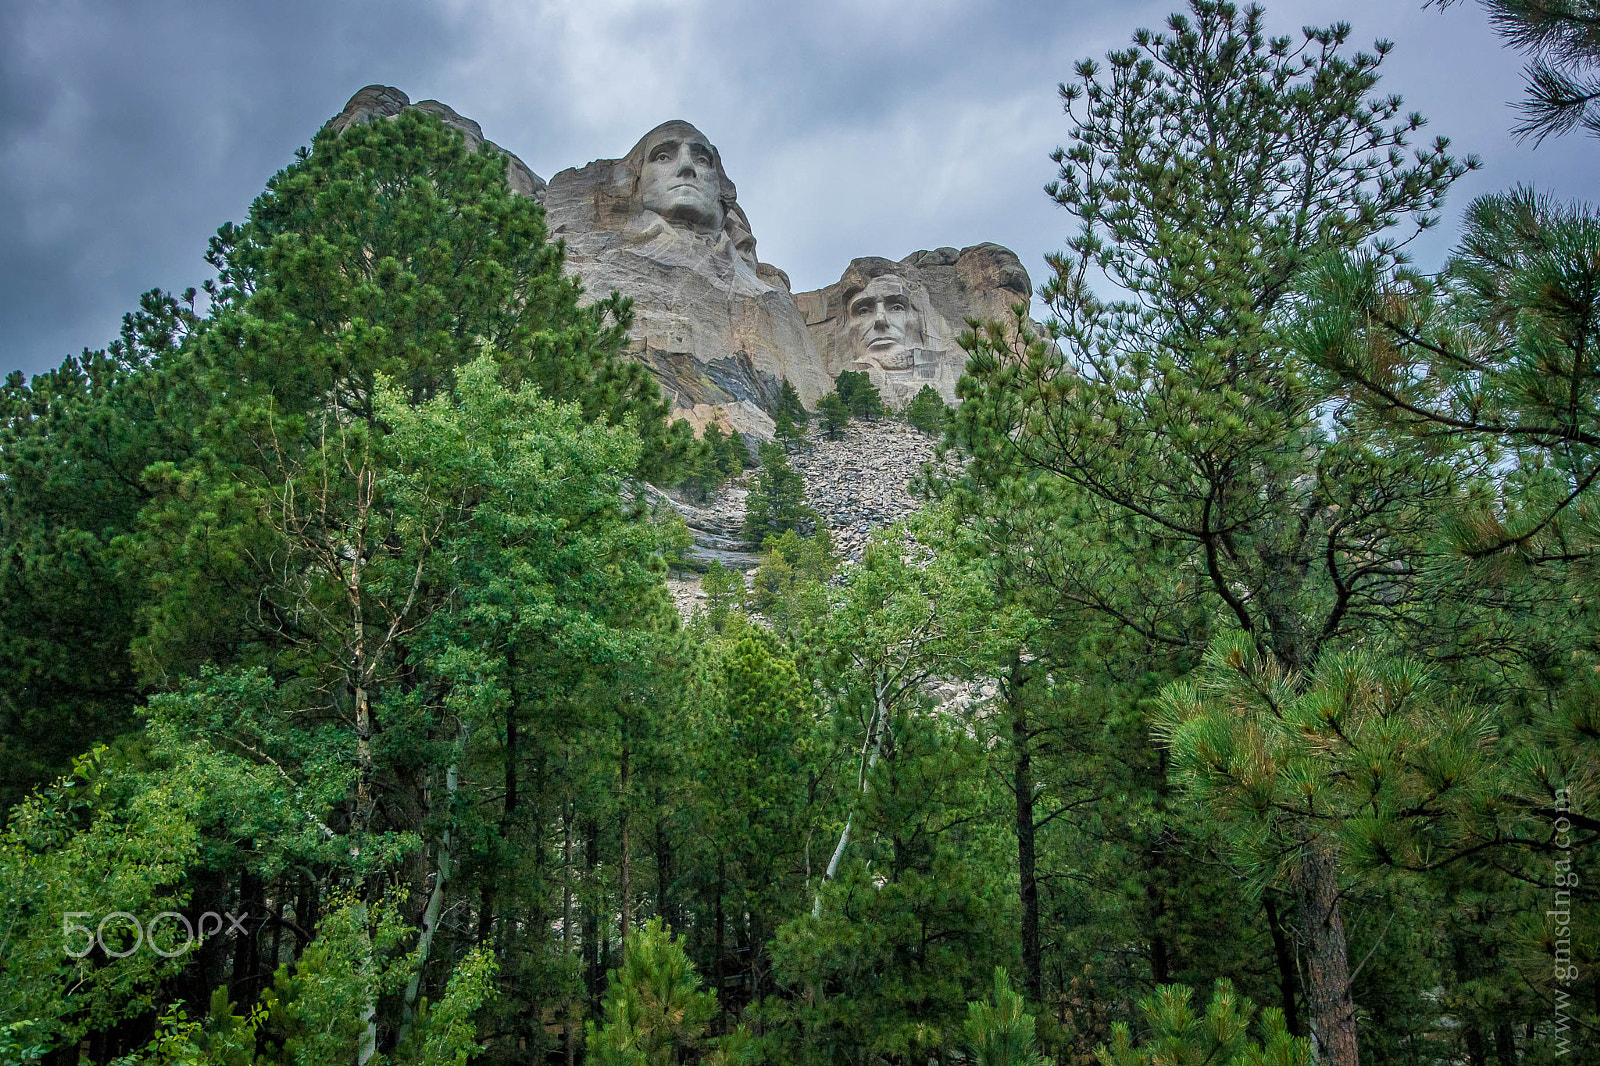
<point>899,321</point>
<point>663,225</point>
<point>385,101</point>
<point>720,329</point>
<point>859,483</point>
<point>856,484</point>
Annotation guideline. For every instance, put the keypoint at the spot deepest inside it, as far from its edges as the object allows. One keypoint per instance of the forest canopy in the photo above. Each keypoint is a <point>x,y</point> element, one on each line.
<point>1232,696</point>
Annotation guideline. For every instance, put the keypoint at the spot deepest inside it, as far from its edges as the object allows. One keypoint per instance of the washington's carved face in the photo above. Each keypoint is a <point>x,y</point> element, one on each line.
<point>881,319</point>
<point>679,180</point>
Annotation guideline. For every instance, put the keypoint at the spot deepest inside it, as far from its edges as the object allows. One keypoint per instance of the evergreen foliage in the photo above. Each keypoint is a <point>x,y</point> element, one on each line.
<point>1000,1032</point>
<point>928,412</point>
<point>777,502</point>
<point>1182,1037</point>
<point>1563,84</point>
<point>858,393</point>
<point>789,404</point>
<point>654,1008</point>
<point>788,435</point>
<point>835,414</point>
<point>1247,643</point>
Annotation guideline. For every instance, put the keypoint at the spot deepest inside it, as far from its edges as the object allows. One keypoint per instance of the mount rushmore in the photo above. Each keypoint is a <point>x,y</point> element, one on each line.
<point>719,328</point>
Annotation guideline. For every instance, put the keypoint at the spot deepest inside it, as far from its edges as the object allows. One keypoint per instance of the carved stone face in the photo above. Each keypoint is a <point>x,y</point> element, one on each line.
<point>679,179</point>
<point>881,321</point>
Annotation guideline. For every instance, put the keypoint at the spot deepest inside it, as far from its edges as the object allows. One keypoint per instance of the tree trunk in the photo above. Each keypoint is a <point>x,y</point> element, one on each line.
<point>1285,959</point>
<point>244,945</point>
<point>591,911</point>
<point>664,908</point>
<point>1028,880</point>
<point>625,884</point>
<point>721,928</point>
<point>566,925</point>
<point>875,733</point>
<point>368,1046</point>
<point>1328,998</point>
<point>1505,1044</point>
<point>430,914</point>
<point>508,807</point>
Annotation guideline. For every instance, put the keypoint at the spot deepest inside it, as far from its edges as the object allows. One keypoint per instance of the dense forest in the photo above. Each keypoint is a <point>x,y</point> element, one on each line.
<point>346,715</point>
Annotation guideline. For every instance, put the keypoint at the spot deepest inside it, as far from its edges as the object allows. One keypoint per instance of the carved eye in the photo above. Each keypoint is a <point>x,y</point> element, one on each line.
<point>897,305</point>
<point>864,307</point>
<point>703,158</point>
<point>661,155</point>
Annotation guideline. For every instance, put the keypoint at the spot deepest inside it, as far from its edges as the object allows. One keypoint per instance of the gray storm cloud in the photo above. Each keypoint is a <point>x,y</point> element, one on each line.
<point>128,133</point>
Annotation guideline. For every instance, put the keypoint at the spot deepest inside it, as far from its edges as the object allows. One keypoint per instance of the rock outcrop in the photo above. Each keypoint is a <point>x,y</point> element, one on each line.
<point>385,101</point>
<point>899,321</point>
<point>720,329</point>
<point>856,484</point>
<point>663,225</point>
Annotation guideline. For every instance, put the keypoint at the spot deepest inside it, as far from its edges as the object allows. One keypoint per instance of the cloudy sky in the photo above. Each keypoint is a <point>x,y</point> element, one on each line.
<point>131,129</point>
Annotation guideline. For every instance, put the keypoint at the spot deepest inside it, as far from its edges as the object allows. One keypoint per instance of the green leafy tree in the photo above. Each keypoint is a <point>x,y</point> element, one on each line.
<point>909,916</point>
<point>736,456</point>
<point>74,443</point>
<point>758,740</point>
<point>928,412</point>
<point>655,1011</point>
<point>788,585</point>
<point>859,394</point>
<point>1180,1036</point>
<point>777,502</point>
<point>1355,767</point>
<point>703,474</point>
<point>102,841</point>
<point>1499,352</point>
<point>392,249</point>
<point>724,589</point>
<point>1000,1032</point>
<point>1181,417</point>
<point>789,404</point>
<point>788,435</point>
<point>314,1013</point>
<point>727,450</point>
<point>835,414</point>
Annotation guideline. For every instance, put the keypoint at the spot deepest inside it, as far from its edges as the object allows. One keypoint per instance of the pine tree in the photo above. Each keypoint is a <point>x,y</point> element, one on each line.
<point>1501,351</point>
<point>74,443</point>
<point>787,434</point>
<point>777,502</point>
<point>789,403</point>
<point>835,415</point>
<point>927,411</point>
<point>1563,83</point>
<point>1000,1032</point>
<point>1181,420</point>
<point>1181,1036</point>
<point>654,1009</point>
<point>859,394</point>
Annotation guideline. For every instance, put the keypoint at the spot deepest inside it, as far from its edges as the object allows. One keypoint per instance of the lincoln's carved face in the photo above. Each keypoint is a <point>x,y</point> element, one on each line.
<point>881,319</point>
<point>679,180</point>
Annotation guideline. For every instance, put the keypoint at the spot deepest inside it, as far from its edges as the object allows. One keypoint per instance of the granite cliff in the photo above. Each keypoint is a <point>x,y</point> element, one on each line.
<point>719,328</point>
